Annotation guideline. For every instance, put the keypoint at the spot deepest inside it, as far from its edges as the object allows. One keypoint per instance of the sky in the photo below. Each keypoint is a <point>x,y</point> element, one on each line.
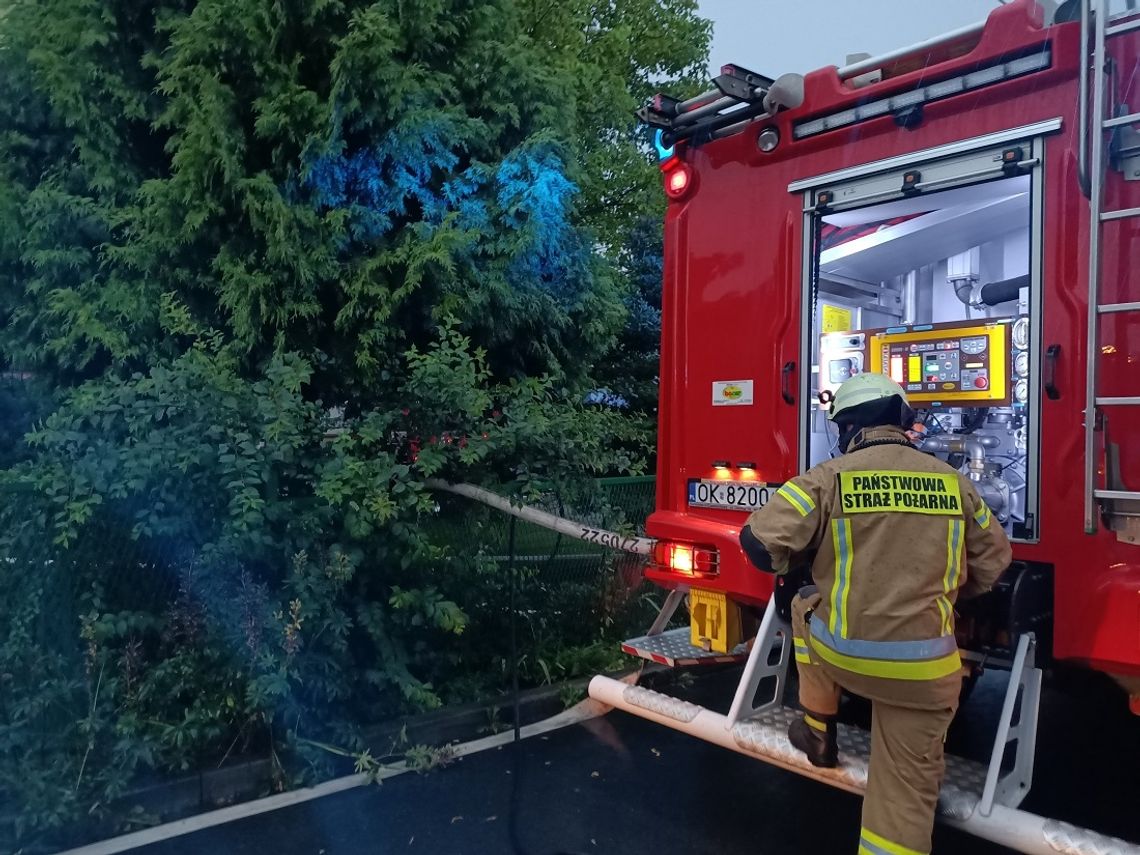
<point>773,37</point>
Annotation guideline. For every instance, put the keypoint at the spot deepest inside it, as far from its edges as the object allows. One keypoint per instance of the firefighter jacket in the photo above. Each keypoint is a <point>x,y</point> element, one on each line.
<point>896,535</point>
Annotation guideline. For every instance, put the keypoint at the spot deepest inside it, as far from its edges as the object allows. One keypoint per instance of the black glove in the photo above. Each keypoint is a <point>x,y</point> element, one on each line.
<point>789,584</point>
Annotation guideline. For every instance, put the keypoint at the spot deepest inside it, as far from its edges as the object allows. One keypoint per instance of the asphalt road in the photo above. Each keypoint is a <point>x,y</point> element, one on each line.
<point>619,784</point>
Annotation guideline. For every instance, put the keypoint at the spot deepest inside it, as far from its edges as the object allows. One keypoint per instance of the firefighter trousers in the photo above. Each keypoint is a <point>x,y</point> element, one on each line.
<point>907,760</point>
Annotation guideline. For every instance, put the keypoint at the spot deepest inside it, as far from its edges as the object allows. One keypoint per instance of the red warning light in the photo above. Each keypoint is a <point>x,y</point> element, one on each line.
<point>677,181</point>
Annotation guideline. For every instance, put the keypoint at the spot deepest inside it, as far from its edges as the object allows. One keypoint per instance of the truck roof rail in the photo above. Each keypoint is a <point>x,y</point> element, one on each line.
<point>875,62</point>
<point>739,98</point>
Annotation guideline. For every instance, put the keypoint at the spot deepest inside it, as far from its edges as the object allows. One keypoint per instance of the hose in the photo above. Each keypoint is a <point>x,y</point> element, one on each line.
<point>613,540</point>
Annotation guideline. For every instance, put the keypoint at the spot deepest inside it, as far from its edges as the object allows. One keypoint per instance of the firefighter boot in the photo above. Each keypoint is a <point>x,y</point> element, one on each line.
<point>815,736</point>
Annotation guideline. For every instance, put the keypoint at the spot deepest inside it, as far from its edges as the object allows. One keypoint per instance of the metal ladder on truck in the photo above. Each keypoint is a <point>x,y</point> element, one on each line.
<point>1121,506</point>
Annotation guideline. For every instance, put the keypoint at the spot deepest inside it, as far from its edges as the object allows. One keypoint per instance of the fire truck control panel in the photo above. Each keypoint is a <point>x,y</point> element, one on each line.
<point>960,364</point>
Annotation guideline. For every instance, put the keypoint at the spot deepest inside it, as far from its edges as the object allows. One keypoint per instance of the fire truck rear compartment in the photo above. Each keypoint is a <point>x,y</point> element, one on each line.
<point>936,290</point>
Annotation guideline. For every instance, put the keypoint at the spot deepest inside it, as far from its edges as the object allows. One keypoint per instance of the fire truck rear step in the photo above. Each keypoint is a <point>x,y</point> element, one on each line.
<point>766,737</point>
<point>761,730</point>
<point>674,649</point>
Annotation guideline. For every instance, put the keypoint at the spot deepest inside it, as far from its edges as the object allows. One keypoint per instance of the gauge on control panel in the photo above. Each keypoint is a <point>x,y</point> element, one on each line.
<point>1021,364</point>
<point>1021,333</point>
<point>1021,391</point>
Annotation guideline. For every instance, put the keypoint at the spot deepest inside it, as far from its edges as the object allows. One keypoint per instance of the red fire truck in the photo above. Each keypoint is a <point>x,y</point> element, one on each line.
<point>964,216</point>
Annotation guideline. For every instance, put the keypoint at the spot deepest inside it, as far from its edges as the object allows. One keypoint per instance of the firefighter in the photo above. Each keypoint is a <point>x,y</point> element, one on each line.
<point>897,536</point>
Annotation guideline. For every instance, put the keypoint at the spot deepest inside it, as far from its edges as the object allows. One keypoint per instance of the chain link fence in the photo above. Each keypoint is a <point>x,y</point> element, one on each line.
<point>588,582</point>
<point>574,601</point>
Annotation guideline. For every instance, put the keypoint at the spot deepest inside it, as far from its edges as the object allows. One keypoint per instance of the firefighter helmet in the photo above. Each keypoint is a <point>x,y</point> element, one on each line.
<point>864,389</point>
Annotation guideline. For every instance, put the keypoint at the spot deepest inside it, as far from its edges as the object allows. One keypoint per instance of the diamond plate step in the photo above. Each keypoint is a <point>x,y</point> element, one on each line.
<point>767,737</point>
<point>674,649</point>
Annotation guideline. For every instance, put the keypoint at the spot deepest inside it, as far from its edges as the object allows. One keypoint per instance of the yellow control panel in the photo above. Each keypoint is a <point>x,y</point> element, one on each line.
<point>953,364</point>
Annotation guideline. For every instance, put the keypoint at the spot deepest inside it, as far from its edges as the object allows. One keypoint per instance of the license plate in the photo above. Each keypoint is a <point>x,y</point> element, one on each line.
<point>730,495</point>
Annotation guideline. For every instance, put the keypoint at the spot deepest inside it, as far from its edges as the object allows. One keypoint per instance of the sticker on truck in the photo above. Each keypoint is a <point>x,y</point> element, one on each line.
<point>732,393</point>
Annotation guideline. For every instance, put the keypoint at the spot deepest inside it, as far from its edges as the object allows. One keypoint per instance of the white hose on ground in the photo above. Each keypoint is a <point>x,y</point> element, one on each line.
<point>580,531</point>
